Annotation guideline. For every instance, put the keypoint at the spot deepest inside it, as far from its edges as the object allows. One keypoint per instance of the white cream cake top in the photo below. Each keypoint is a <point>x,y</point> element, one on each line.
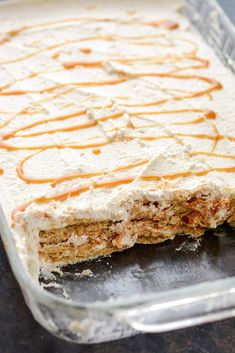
<point>105,102</point>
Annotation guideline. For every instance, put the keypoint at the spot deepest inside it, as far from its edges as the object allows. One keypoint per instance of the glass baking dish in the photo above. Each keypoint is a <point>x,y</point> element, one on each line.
<point>215,26</point>
<point>176,284</point>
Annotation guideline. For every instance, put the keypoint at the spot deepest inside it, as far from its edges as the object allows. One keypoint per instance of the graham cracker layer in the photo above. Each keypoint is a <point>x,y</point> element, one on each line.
<point>148,223</point>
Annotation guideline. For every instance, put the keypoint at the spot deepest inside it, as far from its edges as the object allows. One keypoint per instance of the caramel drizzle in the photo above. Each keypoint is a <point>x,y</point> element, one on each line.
<point>10,34</point>
<point>122,78</point>
<point>187,55</point>
<point>55,181</point>
<point>64,129</point>
<point>131,40</point>
<point>206,115</point>
<point>142,60</point>
<point>18,92</point>
<point>214,85</point>
<point>114,183</point>
<point>110,38</point>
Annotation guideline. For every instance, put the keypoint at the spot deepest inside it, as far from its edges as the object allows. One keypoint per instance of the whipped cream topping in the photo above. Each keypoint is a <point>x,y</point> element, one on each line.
<point>104,104</point>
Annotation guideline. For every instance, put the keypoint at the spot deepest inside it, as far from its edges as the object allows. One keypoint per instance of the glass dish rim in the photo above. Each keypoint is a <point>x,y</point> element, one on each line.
<point>215,287</point>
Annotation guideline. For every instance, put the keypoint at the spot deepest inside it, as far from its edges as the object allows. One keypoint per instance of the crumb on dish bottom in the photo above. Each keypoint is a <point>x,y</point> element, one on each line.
<point>148,223</point>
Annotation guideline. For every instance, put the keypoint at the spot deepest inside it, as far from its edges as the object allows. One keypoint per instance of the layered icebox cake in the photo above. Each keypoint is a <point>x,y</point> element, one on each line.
<point>117,127</point>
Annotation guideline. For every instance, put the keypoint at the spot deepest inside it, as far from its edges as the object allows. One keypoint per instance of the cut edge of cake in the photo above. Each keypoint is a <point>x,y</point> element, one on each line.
<point>148,222</point>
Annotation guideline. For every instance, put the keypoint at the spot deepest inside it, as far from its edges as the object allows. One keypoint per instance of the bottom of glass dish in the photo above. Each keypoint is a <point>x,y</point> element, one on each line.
<point>148,269</point>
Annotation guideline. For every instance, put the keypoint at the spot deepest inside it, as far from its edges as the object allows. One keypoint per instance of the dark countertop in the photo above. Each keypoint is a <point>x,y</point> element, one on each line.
<point>229,7</point>
<point>21,334</point>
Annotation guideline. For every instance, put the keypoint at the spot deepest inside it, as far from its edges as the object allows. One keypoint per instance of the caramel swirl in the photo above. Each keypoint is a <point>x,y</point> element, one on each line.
<point>114,183</point>
<point>58,180</point>
<point>10,34</point>
<point>132,115</point>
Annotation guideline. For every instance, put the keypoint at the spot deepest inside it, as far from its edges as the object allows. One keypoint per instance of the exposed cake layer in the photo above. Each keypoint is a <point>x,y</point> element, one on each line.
<point>148,223</point>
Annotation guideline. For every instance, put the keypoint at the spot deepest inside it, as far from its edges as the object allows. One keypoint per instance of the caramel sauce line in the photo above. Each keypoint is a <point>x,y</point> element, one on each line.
<point>152,60</point>
<point>29,126</point>
<point>55,181</point>
<point>194,121</point>
<point>172,74</point>
<point>66,116</point>
<point>167,24</point>
<point>61,85</point>
<point>16,31</point>
<point>56,145</point>
<point>214,85</point>
<point>51,47</point>
<point>217,133</point>
<point>189,55</point>
<point>64,129</point>
<point>198,136</point>
<point>204,63</point>
<point>209,137</point>
<point>80,190</point>
<point>187,174</point>
<point>96,145</point>
<point>101,63</point>
<point>58,180</point>
<point>212,82</point>
<point>49,120</point>
<point>108,38</point>
<point>129,61</point>
<point>63,117</point>
<point>208,114</point>
<point>7,122</point>
<point>118,182</point>
<point>212,154</point>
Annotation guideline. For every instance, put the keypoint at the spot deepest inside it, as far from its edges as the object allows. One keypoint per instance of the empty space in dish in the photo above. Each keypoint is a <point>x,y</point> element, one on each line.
<point>148,269</point>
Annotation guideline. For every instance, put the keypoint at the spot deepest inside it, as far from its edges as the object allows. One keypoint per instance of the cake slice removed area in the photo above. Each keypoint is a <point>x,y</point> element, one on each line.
<point>148,222</point>
<point>179,193</point>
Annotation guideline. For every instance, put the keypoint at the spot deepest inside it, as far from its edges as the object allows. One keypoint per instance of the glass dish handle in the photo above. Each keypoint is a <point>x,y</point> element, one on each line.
<point>202,303</point>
